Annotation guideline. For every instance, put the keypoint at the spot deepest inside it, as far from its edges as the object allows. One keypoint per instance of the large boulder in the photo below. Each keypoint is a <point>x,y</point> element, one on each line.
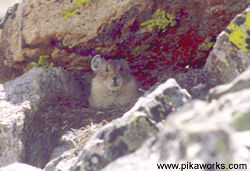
<point>19,167</point>
<point>149,34</point>
<point>21,100</point>
<point>231,53</point>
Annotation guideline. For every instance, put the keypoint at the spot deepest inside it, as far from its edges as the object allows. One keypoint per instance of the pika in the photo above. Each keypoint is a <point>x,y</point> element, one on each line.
<point>113,83</point>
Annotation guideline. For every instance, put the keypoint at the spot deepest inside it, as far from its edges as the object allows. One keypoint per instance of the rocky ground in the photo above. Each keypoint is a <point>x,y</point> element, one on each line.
<point>198,115</point>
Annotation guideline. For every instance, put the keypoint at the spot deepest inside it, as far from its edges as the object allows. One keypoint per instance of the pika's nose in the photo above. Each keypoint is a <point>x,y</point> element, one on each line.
<point>115,79</point>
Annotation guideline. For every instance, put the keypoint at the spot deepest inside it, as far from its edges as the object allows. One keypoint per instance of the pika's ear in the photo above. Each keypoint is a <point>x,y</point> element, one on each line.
<point>96,62</point>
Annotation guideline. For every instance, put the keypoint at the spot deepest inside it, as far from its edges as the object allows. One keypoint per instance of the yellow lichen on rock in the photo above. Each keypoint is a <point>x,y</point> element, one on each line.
<point>238,32</point>
<point>80,2</point>
<point>161,20</point>
<point>43,62</point>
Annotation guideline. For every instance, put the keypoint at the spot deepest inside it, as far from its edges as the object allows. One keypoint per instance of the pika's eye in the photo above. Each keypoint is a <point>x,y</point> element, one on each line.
<point>121,68</point>
<point>107,70</point>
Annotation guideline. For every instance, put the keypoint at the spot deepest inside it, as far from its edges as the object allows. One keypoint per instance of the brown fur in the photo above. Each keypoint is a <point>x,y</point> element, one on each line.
<point>112,85</point>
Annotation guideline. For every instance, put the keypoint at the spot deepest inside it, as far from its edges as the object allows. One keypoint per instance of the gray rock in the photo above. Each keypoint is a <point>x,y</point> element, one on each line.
<point>63,162</point>
<point>239,83</point>
<point>21,99</point>
<point>241,118</point>
<point>200,133</point>
<point>38,85</point>
<point>231,53</point>
<point>64,156</point>
<point>166,98</point>
<point>19,167</point>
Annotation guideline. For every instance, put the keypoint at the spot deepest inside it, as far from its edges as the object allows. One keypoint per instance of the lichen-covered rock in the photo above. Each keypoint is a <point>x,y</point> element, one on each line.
<point>11,124</point>
<point>239,83</point>
<point>231,53</point>
<point>21,99</point>
<point>65,35</point>
<point>19,167</point>
<point>166,98</point>
<point>118,138</point>
<point>241,118</point>
<point>42,87</point>
<point>199,133</point>
<point>126,134</point>
<point>64,156</point>
<point>149,34</point>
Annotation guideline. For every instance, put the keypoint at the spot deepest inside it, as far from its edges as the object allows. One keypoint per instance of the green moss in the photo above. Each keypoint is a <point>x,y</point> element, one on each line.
<point>220,144</point>
<point>1,32</point>
<point>70,13</point>
<point>226,62</point>
<point>81,2</point>
<point>71,46</point>
<point>67,14</point>
<point>139,49</point>
<point>207,44</point>
<point>191,136</point>
<point>241,120</point>
<point>138,129</point>
<point>238,33</point>
<point>161,20</point>
<point>43,62</point>
<point>165,99</point>
<point>168,100</point>
<point>136,115</point>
